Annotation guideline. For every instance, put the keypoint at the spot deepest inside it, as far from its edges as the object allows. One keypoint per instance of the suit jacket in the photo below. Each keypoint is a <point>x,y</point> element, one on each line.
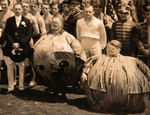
<point>70,23</point>
<point>21,34</point>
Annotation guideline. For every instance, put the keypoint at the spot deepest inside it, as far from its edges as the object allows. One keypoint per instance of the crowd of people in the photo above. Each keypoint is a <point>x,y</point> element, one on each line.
<point>22,25</point>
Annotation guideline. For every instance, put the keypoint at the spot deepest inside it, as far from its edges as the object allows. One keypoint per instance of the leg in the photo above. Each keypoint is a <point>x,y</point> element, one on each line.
<point>95,51</point>
<point>1,70</point>
<point>32,82</point>
<point>10,72</point>
<point>21,75</point>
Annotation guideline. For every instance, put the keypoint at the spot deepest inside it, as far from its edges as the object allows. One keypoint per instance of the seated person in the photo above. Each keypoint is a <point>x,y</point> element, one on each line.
<point>116,80</point>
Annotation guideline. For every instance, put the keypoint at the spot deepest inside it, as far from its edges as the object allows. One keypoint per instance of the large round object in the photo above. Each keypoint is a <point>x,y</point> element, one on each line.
<point>51,56</point>
<point>118,83</point>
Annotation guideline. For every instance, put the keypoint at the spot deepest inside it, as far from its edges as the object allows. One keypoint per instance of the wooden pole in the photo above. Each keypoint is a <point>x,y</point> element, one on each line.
<point>105,7</point>
<point>148,39</point>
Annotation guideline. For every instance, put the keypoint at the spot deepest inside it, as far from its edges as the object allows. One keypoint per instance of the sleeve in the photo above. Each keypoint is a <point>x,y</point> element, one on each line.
<point>7,32</point>
<point>143,67</point>
<point>140,39</point>
<point>76,47</point>
<point>113,32</point>
<point>103,38</point>
<point>78,31</point>
<point>133,11</point>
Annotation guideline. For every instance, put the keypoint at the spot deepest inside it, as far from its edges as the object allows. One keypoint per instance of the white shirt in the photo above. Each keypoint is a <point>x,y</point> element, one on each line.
<point>18,20</point>
<point>91,32</point>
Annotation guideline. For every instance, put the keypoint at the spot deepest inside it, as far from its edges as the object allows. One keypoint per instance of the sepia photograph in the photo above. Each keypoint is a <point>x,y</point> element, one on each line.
<point>74,57</point>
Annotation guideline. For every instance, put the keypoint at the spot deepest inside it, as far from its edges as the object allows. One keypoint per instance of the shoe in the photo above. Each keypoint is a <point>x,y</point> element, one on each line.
<point>10,90</point>
<point>15,82</point>
<point>21,88</point>
<point>32,84</point>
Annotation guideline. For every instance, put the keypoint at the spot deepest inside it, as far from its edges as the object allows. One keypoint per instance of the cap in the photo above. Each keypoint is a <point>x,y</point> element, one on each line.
<point>36,2</point>
<point>124,9</point>
<point>65,2</point>
<point>115,43</point>
<point>77,2</point>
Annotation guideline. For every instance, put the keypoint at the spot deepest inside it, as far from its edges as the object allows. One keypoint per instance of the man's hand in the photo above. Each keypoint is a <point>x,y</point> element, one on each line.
<point>83,77</point>
<point>0,33</point>
<point>146,52</point>
<point>16,45</point>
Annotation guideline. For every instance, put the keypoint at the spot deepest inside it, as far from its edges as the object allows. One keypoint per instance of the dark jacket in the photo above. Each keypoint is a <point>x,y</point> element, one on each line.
<point>21,34</point>
<point>70,23</point>
<point>126,33</point>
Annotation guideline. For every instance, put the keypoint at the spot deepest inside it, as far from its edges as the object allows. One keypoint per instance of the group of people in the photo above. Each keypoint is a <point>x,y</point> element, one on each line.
<point>87,36</point>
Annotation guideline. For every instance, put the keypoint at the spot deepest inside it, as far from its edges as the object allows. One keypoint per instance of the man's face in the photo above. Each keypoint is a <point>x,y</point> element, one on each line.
<point>124,15</point>
<point>56,24</point>
<point>65,8</point>
<point>25,7</point>
<point>45,9</point>
<point>4,4</point>
<point>34,8</point>
<point>88,12</point>
<point>112,50</point>
<point>74,7</point>
<point>18,10</point>
<point>55,9</point>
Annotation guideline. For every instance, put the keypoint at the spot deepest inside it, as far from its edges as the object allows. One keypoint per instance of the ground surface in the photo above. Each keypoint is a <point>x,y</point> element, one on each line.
<point>37,101</point>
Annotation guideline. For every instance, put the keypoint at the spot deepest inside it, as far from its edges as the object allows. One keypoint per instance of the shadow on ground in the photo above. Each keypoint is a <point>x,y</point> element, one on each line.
<point>73,100</point>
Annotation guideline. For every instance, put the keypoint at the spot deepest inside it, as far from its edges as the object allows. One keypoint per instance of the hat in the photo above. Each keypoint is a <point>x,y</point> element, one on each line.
<point>124,8</point>
<point>77,2</point>
<point>36,2</point>
<point>20,55</point>
<point>115,43</point>
<point>65,2</point>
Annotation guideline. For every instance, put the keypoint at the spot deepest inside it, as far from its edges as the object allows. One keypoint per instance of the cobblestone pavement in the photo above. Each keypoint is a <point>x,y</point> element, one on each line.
<point>37,101</point>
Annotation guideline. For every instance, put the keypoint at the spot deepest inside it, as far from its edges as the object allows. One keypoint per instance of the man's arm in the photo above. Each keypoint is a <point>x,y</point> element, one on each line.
<point>7,32</point>
<point>103,38</point>
<point>76,47</point>
<point>1,31</point>
<point>42,26</point>
<point>78,31</point>
<point>35,27</point>
<point>113,32</point>
<point>143,67</point>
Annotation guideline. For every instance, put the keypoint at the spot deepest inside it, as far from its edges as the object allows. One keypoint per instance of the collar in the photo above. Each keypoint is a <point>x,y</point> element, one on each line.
<point>18,17</point>
<point>59,32</point>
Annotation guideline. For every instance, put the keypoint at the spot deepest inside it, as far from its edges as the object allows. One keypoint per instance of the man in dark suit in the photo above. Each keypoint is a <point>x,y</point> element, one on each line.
<point>17,35</point>
<point>76,13</point>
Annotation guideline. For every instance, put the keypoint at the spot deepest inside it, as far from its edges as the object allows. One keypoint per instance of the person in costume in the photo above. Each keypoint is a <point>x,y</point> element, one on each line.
<point>114,80</point>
